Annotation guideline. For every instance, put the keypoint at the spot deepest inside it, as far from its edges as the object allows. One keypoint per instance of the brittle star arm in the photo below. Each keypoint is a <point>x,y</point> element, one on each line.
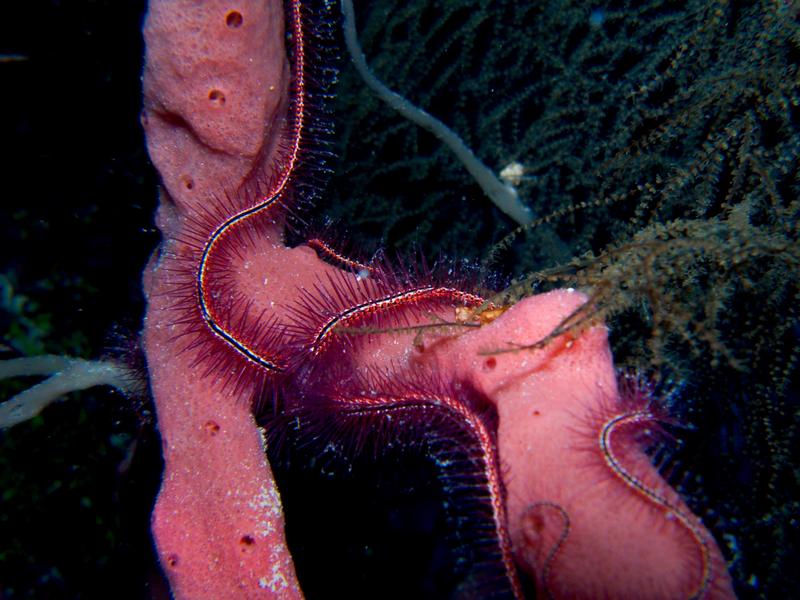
<point>503,196</point>
<point>65,375</point>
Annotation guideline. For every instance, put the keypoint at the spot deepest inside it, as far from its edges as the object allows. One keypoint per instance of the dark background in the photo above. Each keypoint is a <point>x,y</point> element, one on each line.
<point>77,483</point>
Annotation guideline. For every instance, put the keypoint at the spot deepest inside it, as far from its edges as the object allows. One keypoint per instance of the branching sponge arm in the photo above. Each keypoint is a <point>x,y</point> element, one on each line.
<point>504,196</point>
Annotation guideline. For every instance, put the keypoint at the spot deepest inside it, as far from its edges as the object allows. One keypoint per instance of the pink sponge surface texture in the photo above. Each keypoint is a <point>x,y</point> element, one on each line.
<point>215,86</point>
<point>215,81</point>
<point>577,527</point>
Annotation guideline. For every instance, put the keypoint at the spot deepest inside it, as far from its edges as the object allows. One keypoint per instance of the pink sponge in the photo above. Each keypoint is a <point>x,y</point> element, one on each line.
<point>579,526</point>
<point>215,87</point>
<point>215,84</point>
<point>588,516</point>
